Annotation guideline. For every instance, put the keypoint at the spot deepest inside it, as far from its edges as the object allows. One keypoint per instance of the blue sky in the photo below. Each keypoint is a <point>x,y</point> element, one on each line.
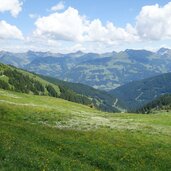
<point>119,12</point>
<point>70,25</point>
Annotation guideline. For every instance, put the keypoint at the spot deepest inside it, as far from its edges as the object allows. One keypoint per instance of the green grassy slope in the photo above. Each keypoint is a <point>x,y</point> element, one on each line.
<point>14,74</point>
<point>100,99</point>
<point>15,79</point>
<point>46,133</point>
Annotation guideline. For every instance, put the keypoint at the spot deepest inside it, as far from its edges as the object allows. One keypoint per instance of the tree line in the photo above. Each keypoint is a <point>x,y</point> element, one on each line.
<point>19,82</point>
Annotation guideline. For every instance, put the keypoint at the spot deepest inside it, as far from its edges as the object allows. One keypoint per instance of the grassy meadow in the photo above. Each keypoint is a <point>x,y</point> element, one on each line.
<point>45,133</point>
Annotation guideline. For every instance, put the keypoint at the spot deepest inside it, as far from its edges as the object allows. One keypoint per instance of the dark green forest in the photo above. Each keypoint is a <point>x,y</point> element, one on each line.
<point>161,103</point>
<point>100,99</point>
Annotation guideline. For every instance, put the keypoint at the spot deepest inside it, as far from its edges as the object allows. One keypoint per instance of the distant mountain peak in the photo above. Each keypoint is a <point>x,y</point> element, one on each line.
<point>77,53</point>
<point>137,50</point>
<point>138,54</point>
<point>163,51</point>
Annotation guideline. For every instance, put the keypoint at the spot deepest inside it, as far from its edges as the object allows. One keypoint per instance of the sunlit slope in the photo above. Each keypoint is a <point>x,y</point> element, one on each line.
<point>45,133</point>
<point>18,80</point>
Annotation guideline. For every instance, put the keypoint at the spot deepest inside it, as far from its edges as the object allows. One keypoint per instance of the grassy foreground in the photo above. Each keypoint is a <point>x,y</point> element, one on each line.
<point>44,133</point>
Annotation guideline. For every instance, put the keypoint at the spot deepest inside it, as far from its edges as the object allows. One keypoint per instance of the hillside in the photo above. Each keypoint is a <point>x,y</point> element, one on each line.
<point>101,99</point>
<point>18,80</point>
<point>162,103</point>
<point>46,133</point>
<point>102,71</point>
<point>136,94</point>
<point>15,79</point>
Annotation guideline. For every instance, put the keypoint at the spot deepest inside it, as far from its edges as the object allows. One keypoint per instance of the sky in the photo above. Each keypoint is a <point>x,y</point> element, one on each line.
<point>88,25</point>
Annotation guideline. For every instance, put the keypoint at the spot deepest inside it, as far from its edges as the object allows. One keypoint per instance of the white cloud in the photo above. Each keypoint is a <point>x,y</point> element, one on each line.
<point>68,25</point>
<point>59,6</point>
<point>71,26</point>
<point>154,22</point>
<point>76,47</point>
<point>8,31</point>
<point>68,30</point>
<point>110,34</point>
<point>13,6</point>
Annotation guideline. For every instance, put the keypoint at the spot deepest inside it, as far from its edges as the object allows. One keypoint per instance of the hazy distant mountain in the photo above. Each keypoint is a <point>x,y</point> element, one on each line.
<point>23,59</point>
<point>16,59</point>
<point>103,71</point>
<point>164,51</point>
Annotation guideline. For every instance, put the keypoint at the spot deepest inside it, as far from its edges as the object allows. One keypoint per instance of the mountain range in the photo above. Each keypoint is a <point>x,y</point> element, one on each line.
<point>102,71</point>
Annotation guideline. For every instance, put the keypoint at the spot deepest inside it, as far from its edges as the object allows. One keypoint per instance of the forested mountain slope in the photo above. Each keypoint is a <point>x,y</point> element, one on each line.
<point>136,94</point>
<point>162,103</point>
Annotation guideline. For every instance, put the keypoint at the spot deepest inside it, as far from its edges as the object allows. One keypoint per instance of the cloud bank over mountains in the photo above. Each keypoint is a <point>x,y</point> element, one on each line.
<point>67,27</point>
<point>71,26</point>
